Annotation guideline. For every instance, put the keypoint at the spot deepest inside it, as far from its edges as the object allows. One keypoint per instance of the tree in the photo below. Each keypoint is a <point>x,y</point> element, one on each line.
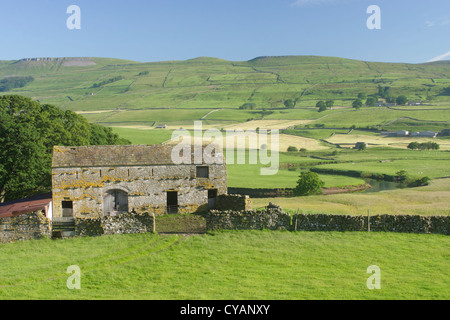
<point>384,92</point>
<point>413,145</point>
<point>248,106</point>
<point>292,149</point>
<point>361,96</point>
<point>419,182</point>
<point>423,146</point>
<point>361,147</point>
<point>9,83</point>
<point>402,176</point>
<point>401,100</point>
<point>28,132</point>
<point>357,104</point>
<point>322,108</point>
<point>446,91</point>
<point>371,101</point>
<point>309,183</point>
<point>329,103</point>
<point>289,103</point>
<point>321,104</point>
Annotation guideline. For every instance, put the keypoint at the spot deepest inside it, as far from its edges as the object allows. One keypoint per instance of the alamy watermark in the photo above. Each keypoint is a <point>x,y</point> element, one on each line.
<point>74,280</point>
<point>74,20</point>
<point>253,146</point>
<point>374,21</point>
<point>374,281</point>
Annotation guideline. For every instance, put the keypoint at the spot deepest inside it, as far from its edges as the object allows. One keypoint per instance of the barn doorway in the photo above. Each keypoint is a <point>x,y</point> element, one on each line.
<point>172,202</point>
<point>115,202</point>
<point>67,209</point>
<point>212,198</point>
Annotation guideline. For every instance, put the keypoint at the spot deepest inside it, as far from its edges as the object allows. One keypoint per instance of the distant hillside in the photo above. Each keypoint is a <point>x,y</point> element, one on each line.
<point>84,84</point>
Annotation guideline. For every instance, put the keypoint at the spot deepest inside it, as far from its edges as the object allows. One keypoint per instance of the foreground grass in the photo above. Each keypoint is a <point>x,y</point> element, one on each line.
<point>230,265</point>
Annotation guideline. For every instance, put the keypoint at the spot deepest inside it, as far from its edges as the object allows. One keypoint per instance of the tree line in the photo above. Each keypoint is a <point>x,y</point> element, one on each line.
<point>28,132</point>
<point>423,146</point>
<point>111,80</point>
<point>9,83</point>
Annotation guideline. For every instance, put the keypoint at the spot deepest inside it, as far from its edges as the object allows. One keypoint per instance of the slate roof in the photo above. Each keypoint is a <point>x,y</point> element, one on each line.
<point>123,155</point>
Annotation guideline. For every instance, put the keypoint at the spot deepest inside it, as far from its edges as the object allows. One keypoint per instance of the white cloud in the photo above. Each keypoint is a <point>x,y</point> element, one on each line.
<point>441,57</point>
<point>441,21</point>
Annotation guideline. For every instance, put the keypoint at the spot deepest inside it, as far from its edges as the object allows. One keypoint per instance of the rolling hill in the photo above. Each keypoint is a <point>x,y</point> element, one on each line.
<point>212,83</point>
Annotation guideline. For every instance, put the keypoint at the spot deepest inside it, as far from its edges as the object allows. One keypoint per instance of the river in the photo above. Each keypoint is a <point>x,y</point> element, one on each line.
<point>379,185</point>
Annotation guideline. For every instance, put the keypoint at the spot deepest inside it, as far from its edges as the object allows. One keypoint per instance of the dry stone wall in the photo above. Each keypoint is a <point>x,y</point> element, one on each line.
<point>270,218</point>
<point>388,223</point>
<point>274,218</point>
<point>121,224</point>
<point>30,226</point>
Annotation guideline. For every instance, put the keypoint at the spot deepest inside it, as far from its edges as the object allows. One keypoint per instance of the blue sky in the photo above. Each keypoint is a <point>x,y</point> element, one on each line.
<point>412,31</point>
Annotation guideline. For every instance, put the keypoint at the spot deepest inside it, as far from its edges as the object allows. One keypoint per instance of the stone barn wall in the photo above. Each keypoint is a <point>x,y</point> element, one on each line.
<point>234,202</point>
<point>84,175</point>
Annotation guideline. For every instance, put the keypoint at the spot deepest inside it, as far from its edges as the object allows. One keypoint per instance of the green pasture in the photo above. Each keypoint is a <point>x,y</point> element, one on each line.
<point>416,168</point>
<point>428,200</point>
<point>260,265</point>
<point>249,176</point>
<point>216,83</point>
<point>139,136</point>
<point>378,116</point>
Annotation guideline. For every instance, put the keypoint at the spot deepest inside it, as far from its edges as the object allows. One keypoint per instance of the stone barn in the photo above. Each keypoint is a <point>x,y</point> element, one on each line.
<point>99,181</point>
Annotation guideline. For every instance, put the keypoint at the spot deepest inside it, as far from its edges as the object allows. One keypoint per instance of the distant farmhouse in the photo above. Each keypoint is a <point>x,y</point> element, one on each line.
<point>385,104</point>
<point>388,104</point>
<point>405,133</point>
<point>401,133</point>
<point>425,134</point>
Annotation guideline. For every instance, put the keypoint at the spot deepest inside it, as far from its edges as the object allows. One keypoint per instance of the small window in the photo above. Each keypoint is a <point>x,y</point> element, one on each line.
<point>202,172</point>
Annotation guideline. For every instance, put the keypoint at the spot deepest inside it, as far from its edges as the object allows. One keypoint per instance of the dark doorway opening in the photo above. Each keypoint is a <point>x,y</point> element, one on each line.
<point>67,209</point>
<point>212,198</point>
<point>172,202</point>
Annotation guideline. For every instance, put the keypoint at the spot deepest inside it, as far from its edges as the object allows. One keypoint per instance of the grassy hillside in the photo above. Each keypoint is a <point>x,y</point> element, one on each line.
<point>214,83</point>
<point>260,265</point>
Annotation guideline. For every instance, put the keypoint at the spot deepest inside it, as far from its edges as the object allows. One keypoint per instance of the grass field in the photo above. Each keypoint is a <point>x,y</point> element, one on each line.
<point>218,84</point>
<point>249,265</point>
<point>249,176</point>
<point>429,200</point>
<point>349,141</point>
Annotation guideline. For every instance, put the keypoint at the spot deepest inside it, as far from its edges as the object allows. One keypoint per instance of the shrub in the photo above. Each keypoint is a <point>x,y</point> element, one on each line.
<point>308,184</point>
